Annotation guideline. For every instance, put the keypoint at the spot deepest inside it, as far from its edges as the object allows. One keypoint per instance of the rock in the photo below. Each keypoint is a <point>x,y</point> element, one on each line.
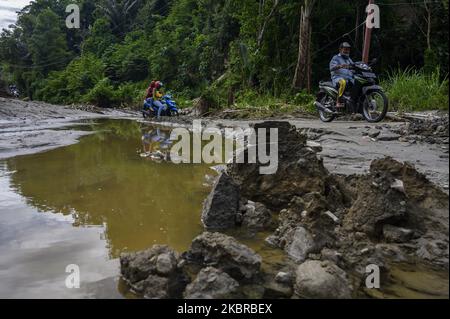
<point>276,290</point>
<point>138,266</point>
<point>373,133</point>
<point>220,169</point>
<point>273,241</point>
<point>375,206</point>
<point>398,185</point>
<point>154,287</point>
<point>166,263</point>
<point>222,205</point>
<point>321,280</point>
<point>154,272</point>
<point>333,217</point>
<point>212,283</point>
<point>430,130</point>
<point>391,252</point>
<point>225,253</point>
<point>417,187</point>
<point>299,170</point>
<point>301,245</point>
<point>331,255</point>
<point>257,217</point>
<point>393,234</point>
<point>386,137</point>
<point>284,278</point>
<point>314,146</point>
<point>239,218</point>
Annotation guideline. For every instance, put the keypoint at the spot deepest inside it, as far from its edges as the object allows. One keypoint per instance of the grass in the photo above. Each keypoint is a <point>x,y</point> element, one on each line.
<point>266,103</point>
<point>413,90</point>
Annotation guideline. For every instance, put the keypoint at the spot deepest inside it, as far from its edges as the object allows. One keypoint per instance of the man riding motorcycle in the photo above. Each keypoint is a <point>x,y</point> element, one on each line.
<point>153,98</point>
<point>341,74</point>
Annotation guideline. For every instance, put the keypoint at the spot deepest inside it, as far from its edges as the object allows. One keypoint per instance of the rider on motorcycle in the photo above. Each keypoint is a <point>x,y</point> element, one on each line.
<point>154,95</point>
<point>340,70</point>
<point>157,95</point>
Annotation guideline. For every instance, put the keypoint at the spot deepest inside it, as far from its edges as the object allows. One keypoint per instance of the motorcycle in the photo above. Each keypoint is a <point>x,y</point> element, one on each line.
<point>365,97</point>
<point>14,92</point>
<point>170,110</point>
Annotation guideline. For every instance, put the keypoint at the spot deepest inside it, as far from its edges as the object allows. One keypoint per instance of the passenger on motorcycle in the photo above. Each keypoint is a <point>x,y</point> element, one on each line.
<point>157,95</point>
<point>148,101</point>
<point>340,70</point>
<point>153,98</point>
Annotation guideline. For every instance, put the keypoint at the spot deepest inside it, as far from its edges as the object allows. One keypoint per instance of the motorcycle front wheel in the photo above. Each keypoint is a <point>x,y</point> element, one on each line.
<point>375,106</point>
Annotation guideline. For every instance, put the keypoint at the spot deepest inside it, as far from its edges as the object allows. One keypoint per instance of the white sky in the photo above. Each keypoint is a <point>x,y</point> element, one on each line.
<point>8,10</point>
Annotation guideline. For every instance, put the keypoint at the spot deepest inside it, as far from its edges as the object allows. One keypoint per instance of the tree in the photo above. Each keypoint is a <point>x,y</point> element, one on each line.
<point>302,76</point>
<point>119,13</point>
<point>47,44</point>
<point>266,20</point>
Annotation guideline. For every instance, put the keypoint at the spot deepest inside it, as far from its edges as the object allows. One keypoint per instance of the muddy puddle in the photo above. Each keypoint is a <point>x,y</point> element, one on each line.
<point>86,203</point>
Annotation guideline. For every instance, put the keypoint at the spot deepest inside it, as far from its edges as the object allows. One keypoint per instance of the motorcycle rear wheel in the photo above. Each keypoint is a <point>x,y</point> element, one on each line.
<point>326,117</point>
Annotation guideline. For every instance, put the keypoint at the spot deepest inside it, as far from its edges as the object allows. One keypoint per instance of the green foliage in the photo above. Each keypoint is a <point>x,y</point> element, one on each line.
<point>47,44</point>
<point>303,98</point>
<point>100,38</point>
<point>131,94</point>
<point>103,94</point>
<point>210,48</point>
<point>250,99</point>
<point>431,61</point>
<point>413,90</point>
<point>128,61</point>
<point>71,84</point>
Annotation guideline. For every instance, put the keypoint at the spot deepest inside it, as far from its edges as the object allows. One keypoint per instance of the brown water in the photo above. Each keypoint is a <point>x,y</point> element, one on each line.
<point>408,281</point>
<point>85,204</point>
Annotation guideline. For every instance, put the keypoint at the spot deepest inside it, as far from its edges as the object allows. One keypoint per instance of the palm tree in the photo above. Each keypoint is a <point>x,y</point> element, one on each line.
<point>118,12</point>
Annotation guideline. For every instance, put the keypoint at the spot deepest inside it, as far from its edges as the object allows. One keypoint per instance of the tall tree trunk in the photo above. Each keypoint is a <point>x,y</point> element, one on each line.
<point>302,76</point>
<point>358,18</point>
<point>266,20</point>
<point>428,19</point>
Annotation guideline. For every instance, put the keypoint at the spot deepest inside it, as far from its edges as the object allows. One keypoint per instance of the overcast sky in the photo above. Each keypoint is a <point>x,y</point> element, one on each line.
<point>8,10</point>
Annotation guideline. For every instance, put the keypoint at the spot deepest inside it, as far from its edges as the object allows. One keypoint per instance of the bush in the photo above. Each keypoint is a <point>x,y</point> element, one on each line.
<point>102,95</point>
<point>76,80</point>
<point>131,94</point>
<point>414,90</point>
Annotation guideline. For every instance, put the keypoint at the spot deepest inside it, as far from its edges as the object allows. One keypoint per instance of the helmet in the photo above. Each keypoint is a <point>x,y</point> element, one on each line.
<point>159,85</point>
<point>345,45</point>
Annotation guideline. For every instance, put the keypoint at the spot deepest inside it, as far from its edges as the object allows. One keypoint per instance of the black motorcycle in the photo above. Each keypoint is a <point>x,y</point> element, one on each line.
<point>365,96</point>
<point>14,91</point>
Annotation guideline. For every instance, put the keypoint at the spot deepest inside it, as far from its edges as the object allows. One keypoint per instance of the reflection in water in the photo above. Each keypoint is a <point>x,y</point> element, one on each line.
<point>103,181</point>
<point>156,144</point>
